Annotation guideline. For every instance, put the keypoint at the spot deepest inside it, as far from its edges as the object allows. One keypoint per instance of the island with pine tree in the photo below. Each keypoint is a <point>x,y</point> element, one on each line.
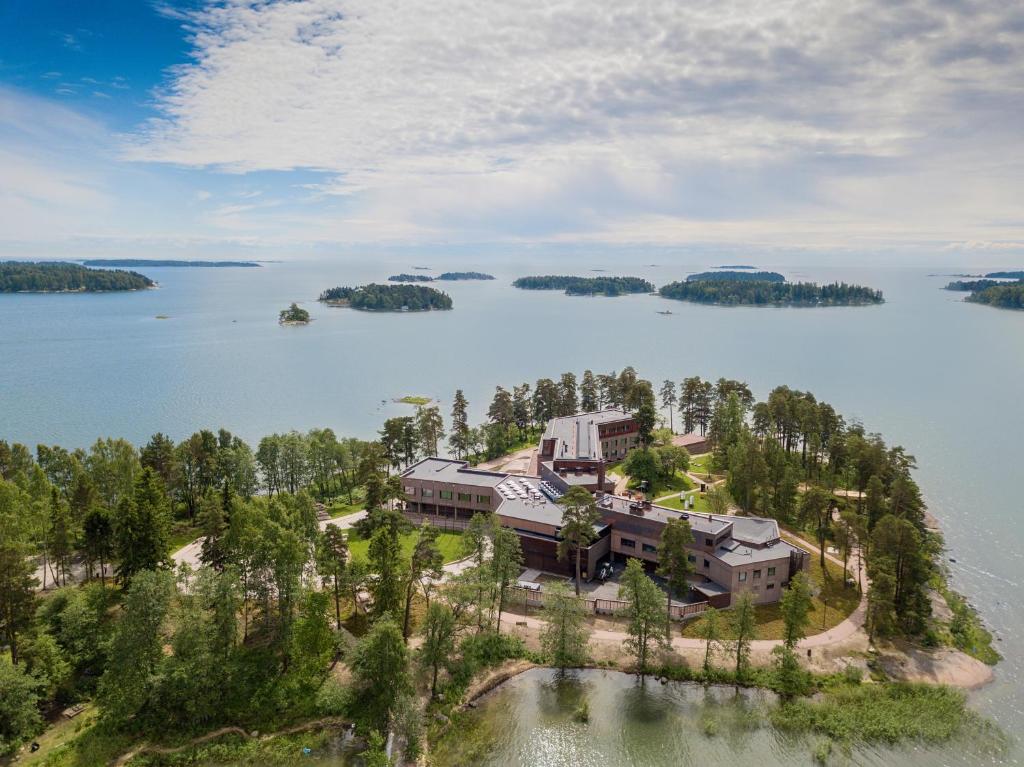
<point>388,298</point>
<point>60,277</point>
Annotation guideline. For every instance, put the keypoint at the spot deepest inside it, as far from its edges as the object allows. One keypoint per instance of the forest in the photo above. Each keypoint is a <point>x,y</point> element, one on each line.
<point>388,298</point>
<point>1014,275</point>
<point>57,277</point>
<point>410,278</point>
<point>293,315</point>
<point>167,262</point>
<point>251,636</point>
<point>739,293</point>
<point>736,276</point>
<point>586,286</point>
<point>456,276</point>
<point>969,285</point>
<point>1006,296</point>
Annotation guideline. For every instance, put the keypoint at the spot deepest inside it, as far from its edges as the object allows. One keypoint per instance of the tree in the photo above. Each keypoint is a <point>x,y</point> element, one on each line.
<point>141,535</point>
<point>17,584</point>
<point>816,506</point>
<point>429,428</point>
<point>158,455</point>
<point>588,393</point>
<point>644,612</point>
<point>331,559</point>
<point>458,439</point>
<point>426,562</point>
<point>380,667</point>
<point>709,630</point>
<point>354,580</point>
<point>668,401</point>
<point>98,535</point>
<point>744,627</point>
<point>644,466</point>
<point>19,707</point>
<point>506,564</point>
<point>59,536</point>
<point>476,541</point>
<point>568,401</point>
<point>564,636</point>
<point>438,641</point>
<point>214,521</point>
<point>579,515</point>
<point>718,500</point>
<point>674,563</point>
<point>385,555</point>
<point>136,647</point>
<point>795,606</point>
<point>646,418</point>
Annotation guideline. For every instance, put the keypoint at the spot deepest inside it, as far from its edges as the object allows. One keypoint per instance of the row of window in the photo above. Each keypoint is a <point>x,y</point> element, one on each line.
<point>447,495</point>
<point>646,548</point>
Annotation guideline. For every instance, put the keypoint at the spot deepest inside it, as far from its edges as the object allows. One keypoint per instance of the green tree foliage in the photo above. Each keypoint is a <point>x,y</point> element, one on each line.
<point>456,276</point>
<point>644,612</point>
<point>795,606</point>
<point>710,630</point>
<point>380,669</point>
<point>564,636</point>
<point>385,559</point>
<point>1001,296</point>
<point>506,564</point>
<point>438,646</point>
<point>586,286</point>
<point>764,293</point>
<point>54,277</point>
<point>426,563</point>
<point>589,400</point>
<point>458,438</point>
<point>744,629</point>
<point>141,528</point>
<point>429,429</point>
<point>736,276</point>
<point>294,314</point>
<point>331,560</point>
<point>19,706</point>
<point>579,515</point>
<point>389,298</point>
<point>674,563</point>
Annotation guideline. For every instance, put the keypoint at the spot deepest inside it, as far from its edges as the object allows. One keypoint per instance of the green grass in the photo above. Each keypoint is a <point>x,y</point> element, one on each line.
<point>340,507</point>
<point>182,534</point>
<point>700,506</point>
<point>410,399</point>
<point>450,545</point>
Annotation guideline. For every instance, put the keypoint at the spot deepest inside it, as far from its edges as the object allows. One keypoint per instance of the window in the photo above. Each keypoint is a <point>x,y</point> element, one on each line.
<point>628,543</point>
<point>427,492</point>
<point>708,542</point>
<point>446,495</point>
<point>770,586</point>
<point>468,497</point>
<point>410,490</point>
<point>771,571</point>
<point>691,558</point>
<point>649,549</point>
<point>483,499</point>
<point>743,577</point>
<point>706,563</point>
<point>757,575</point>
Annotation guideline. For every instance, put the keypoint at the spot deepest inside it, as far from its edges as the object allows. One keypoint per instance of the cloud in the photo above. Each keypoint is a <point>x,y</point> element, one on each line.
<point>588,117</point>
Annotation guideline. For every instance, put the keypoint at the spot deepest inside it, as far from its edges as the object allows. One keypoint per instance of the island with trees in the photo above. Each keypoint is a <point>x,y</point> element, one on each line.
<point>143,262</point>
<point>410,278</point>
<point>293,315</point>
<point>459,276</point>
<point>969,285</point>
<point>737,276</point>
<point>287,617</point>
<point>762,293</point>
<point>1013,275</point>
<point>1002,296</point>
<point>388,298</point>
<point>59,277</point>
<point>586,286</point>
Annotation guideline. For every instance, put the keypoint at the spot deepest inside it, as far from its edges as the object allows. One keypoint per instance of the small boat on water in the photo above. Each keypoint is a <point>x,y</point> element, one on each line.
<point>665,311</point>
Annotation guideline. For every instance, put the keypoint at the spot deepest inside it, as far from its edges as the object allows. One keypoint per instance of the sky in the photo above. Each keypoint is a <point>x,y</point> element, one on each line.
<point>827,129</point>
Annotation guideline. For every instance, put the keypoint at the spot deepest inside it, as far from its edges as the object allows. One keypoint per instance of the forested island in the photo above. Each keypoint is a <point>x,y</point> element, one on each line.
<point>1003,296</point>
<point>968,285</point>
<point>410,278</point>
<point>455,276</point>
<point>762,293</point>
<point>166,262</point>
<point>735,266</point>
<point>586,286</point>
<point>388,298</point>
<point>59,277</point>
<point>1016,275</point>
<point>737,276</point>
<point>293,315</point>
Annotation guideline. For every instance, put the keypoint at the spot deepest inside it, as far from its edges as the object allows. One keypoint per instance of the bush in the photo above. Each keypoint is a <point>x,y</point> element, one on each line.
<point>853,675</point>
<point>333,698</point>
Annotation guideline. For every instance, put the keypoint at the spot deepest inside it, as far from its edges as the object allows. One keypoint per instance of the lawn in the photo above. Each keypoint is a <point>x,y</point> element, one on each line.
<point>831,605</point>
<point>676,484</point>
<point>182,534</point>
<point>701,464</point>
<point>449,543</point>
<point>700,506</point>
<point>341,508</point>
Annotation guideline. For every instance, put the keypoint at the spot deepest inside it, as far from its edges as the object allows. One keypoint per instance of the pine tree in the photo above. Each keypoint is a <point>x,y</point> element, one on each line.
<point>674,563</point>
<point>460,436</point>
<point>579,515</point>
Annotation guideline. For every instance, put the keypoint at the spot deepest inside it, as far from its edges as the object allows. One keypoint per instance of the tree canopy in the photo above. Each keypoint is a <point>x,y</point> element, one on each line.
<point>586,286</point>
<point>57,277</point>
<point>388,298</point>
<point>764,293</point>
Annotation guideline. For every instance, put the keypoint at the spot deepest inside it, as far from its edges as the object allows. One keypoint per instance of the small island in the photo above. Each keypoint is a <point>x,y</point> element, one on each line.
<point>455,276</point>
<point>764,293</point>
<point>141,262</point>
<point>60,277</point>
<point>737,276</point>
<point>969,285</point>
<point>735,266</point>
<point>388,298</point>
<point>1015,275</point>
<point>410,278</point>
<point>1002,296</point>
<point>586,286</point>
<point>294,315</point>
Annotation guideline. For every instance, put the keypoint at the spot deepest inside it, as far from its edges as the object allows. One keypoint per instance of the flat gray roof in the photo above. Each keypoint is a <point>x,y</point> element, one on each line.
<point>446,470</point>
<point>576,435</point>
<point>747,555</point>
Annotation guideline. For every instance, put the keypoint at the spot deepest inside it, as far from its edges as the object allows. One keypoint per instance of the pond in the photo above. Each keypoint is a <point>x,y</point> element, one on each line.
<point>533,720</point>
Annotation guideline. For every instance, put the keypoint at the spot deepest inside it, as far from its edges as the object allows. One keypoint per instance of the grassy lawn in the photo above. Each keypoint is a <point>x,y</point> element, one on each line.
<point>449,543</point>
<point>831,605</point>
<point>342,508</point>
<point>182,534</point>
<point>700,506</point>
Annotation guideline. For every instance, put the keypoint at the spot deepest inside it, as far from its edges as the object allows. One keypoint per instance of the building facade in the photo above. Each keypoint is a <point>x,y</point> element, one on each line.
<point>578,448</point>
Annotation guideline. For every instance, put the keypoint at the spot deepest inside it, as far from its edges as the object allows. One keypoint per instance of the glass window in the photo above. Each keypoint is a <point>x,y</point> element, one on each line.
<point>410,490</point>
<point>770,586</point>
<point>446,494</point>
<point>706,563</point>
<point>483,499</point>
<point>743,577</point>
<point>757,575</point>
<point>427,492</point>
<point>649,549</point>
<point>708,542</point>
<point>628,544</point>
<point>468,497</point>
<point>771,571</point>
<point>691,558</point>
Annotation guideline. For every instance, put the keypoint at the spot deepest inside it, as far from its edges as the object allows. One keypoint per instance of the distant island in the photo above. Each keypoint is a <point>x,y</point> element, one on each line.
<point>1002,296</point>
<point>388,298</point>
<point>452,276</point>
<point>735,266</point>
<point>165,262</point>
<point>410,278</point>
<point>294,315</point>
<point>447,276</point>
<point>966,285</point>
<point>764,293</point>
<point>586,286</point>
<point>738,276</point>
<point>59,277</point>
<point>1016,275</point>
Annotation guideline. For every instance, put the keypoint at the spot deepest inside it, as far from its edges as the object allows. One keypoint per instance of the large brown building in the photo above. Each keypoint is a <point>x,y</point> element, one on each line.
<point>577,448</point>
<point>729,553</point>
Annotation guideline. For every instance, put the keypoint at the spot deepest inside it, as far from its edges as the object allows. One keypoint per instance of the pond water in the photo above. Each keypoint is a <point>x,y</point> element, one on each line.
<point>530,721</point>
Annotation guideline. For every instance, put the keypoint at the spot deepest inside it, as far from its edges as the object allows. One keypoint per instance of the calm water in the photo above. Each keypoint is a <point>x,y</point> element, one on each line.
<point>943,378</point>
<point>530,721</point>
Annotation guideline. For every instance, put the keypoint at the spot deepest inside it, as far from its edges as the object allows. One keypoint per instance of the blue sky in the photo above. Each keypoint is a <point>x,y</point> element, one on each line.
<point>813,129</point>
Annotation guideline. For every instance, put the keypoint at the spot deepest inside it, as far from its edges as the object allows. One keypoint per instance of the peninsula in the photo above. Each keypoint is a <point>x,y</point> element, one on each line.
<point>141,262</point>
<point>388,298</point>
<point>764,293</point>
<point>586,286</point>
<point>59,277</point>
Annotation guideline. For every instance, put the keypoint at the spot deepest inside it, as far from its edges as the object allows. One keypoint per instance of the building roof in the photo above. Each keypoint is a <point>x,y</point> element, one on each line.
<point>576,436</point>
<point>446,470</point>
<point>686,440</point>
